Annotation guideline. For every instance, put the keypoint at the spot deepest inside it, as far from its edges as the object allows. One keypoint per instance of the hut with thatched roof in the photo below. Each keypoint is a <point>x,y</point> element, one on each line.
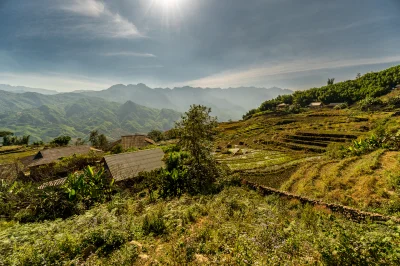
<point>128,165</point>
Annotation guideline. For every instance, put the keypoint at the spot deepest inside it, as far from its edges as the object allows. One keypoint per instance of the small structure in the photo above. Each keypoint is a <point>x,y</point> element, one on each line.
<point>282,105</point>
<point>49,156</point>
<point>333,105</point>
<point>316,105</point>
<point>128,165</point>
<point>135,141</point>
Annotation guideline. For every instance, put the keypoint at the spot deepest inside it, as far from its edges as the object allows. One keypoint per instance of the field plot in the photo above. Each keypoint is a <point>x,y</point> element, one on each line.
<point>255,159</point>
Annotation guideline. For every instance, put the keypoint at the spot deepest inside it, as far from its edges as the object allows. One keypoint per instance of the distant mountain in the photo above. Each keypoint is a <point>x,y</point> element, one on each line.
<point>47,116</point>
<point>22,89</point>
<point>225,103</point>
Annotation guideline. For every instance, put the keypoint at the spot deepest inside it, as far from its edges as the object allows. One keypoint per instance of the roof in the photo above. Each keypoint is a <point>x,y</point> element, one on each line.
<point>128,165</point>
<point>316,104</point>
<point>282,104</point>
<point>135,141</point>
<point>48,156</point>
<point>54,183</point>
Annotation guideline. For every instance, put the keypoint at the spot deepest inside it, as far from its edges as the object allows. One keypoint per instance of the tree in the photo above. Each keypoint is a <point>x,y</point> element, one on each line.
<point>98,140</point>
<point>331,81</point>
<point>9,140</point>
<point>358,75</point>
<point>196,132</point>
<point>156,135</point>
<point>61,141</point>
<point>5,133</point>
<point>79,142</point>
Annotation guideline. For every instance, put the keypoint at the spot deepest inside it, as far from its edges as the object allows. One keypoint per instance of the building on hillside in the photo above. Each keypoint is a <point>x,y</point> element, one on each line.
<point>128,165</point>
<point>135,141</point>
<point>49,156</point>
<point>282,106</point>
<point>333,105</point>
<point>316,105</point>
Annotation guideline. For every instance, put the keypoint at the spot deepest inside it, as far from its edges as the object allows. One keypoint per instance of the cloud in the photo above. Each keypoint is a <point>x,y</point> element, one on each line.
<point>270,72</point>
<point>55,81</point>
<point>90,8</point>
<point>129,54</point>
<point>101,21</point>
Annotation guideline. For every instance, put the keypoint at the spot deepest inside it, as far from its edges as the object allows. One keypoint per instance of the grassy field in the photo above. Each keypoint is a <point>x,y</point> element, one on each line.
<point>14,156</point>
<point>234,227</point>
<point>281,156</point>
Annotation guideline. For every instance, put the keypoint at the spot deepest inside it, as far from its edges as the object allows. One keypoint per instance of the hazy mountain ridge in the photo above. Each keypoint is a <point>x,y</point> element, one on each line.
<point>227,104</point>
<point>47,116</point>
<point>22,89</point>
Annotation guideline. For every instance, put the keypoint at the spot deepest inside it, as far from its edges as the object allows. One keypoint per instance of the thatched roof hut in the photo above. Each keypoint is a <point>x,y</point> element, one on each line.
<point>136,141</point>
<point>48,156</point>
<point>128,165</point>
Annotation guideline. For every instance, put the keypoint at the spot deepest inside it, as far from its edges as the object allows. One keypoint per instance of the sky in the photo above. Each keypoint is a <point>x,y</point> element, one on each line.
<point>68,45</point>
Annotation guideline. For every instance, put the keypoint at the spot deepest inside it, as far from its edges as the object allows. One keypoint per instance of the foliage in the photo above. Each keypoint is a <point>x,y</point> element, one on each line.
<point>156,135</point>
<point>369,103</point>
<point>88,187</point>
<point>341,106</point>
<point>9,140</point>
<point>117,149</point>
<point>234,227</point>
<point>98,140</point>
<point>196,132</point>
<point>61,141</point>
<point>174,178</point>
<point>5,133</point>
<point>351,91</point>
<point>330,81</point>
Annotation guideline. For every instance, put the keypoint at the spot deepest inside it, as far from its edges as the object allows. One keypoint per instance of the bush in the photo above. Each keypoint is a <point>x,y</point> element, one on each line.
<point>154,224</point>
<point>369,103</point>
<point>61,141</point>
<point>117,149</point>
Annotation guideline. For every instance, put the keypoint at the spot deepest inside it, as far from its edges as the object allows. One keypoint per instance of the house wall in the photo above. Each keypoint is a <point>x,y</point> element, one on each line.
<point>137,141</point>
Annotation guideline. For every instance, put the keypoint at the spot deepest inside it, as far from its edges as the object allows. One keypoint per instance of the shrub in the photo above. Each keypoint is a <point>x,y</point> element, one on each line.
<point>154,224</point>
<point>61,141</point>
<point>369,103</point>
<point>117,149</point>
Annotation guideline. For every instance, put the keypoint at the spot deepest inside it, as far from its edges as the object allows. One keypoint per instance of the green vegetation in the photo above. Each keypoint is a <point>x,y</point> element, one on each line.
<point>61,141</point>
<point>368,86</point>
<point>236,226</point>
<point>10,140</point>
<point>78,116</point>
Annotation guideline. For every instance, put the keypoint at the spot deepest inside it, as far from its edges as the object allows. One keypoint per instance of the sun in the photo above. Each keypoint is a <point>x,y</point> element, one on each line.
<point>168,5</point>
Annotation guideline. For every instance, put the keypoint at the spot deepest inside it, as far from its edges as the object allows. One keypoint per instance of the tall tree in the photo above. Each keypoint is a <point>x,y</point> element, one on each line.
<point>331,81</point>
<point>196,132</point>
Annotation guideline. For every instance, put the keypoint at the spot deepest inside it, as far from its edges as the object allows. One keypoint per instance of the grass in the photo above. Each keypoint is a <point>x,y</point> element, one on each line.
<point>12,157</point>
<point>254,159</point>
<point>361,181</point>
<point>234,227</point>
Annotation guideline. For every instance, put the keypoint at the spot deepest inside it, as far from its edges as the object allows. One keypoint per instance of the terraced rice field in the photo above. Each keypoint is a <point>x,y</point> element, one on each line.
<point>255,159</point>
<point>362,182</point>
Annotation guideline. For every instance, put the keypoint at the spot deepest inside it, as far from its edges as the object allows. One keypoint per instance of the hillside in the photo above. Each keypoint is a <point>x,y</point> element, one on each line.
<point>372,84</point>
<point>45,117</point>
<point>234,227</point>
<point>226,103</point>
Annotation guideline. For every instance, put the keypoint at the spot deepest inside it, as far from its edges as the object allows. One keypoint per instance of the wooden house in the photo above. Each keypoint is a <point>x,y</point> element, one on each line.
<point>134,141</point>
<point>49,156</point>
<point>316,105</point>
<point>128,165</point>
<point>282,106</point>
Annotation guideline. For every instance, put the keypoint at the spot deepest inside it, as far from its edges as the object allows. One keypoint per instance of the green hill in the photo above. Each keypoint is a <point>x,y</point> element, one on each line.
<point>76,115</point>
<point>369,85</point>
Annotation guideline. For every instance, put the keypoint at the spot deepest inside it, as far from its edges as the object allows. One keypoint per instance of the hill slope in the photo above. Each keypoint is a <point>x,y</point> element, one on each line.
<point>45,117</point>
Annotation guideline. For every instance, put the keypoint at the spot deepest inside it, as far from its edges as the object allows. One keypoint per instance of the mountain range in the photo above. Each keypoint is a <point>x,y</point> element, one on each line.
<point>45,117</point>
<point>226,104</point>
<point>118,110</point>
